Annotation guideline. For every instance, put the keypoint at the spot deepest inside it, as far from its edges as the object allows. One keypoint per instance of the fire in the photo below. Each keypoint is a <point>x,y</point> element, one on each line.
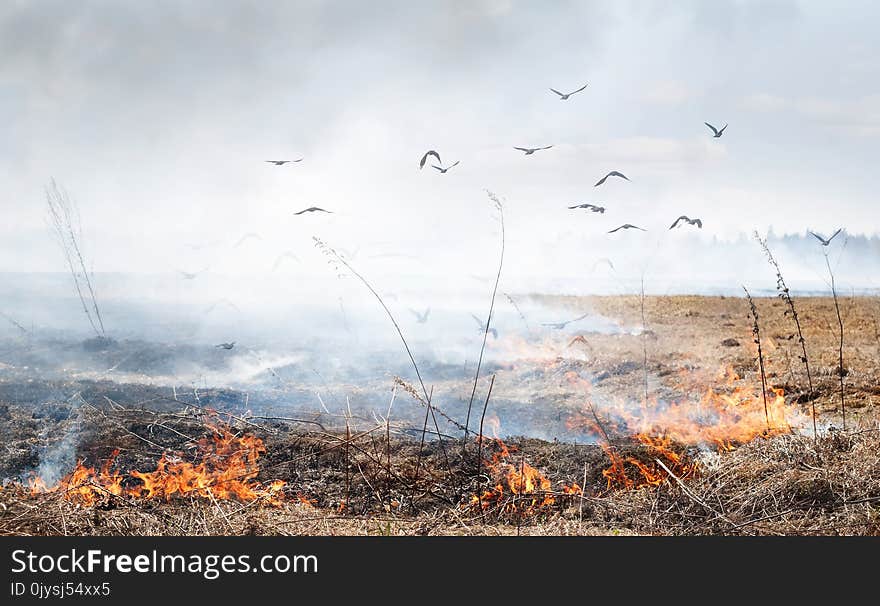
<point>226,468</point>
<point>724,417</point>
<point>84,485</point>
<point>650,474</point>
<point>306,501</point>
<point>519,487</point>
<point>715,417</point>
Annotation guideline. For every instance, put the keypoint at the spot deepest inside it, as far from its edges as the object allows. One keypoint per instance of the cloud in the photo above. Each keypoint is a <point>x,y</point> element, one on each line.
<point>764,102</point>
<point>858,117</point>
<point>653,153</point>
<point>670,92</point>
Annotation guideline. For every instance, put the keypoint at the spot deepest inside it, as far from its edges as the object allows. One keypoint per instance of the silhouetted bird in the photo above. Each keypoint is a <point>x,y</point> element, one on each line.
<point>626,226</point>
<point>696,222</point>
<point>561,325</point>
<point>823,240</point>
<point>592,207</point>
<point>247,237</point>
<point>201,245</point>
<point>282,257</point>
<point>282,162</point>
<point>443,170</point>
<point>191,275</point>
<point>312,209</point>
<point>226,345</point>
<point>425,158</point>
<point>613,173</point>
<point>565,96</point>
<point>421,318</point>
<point>482,327</point>
<point>717,132</point>
<point>605,260</point>
<point>530,150</point>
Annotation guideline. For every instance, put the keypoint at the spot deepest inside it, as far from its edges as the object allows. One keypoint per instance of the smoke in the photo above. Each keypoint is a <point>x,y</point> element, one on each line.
<point>58,457</point>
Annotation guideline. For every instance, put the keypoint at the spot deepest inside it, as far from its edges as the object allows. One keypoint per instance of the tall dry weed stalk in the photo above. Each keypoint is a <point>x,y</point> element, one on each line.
<point>840,368</point>
<point>785,295</point>
<point>336,259</point>
<point>467,424</point>
<point>756,333</point>
<point>64,220</point>
<point>644,336</point>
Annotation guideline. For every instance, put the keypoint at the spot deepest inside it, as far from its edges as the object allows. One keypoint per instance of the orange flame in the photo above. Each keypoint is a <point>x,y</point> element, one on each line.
<point>530,491</point>
<point>226,469</point>
<point>716,417</point>
<point>734,414</point>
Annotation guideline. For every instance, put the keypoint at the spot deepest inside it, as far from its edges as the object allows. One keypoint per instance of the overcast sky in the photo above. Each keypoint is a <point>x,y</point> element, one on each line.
<point>158,116</point>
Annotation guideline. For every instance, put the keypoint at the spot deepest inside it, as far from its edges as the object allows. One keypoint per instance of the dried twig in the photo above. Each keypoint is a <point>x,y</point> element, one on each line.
<point>467,423</point>
<point>756,333</point>
<point>785,295</point>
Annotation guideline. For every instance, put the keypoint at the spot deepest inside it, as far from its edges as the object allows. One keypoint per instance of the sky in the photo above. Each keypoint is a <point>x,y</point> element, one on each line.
<point>157,119</point>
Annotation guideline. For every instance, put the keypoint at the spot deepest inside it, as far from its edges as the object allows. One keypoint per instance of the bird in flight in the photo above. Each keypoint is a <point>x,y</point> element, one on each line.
<point>613,173</point>
<point>282,257</point>
<point>443,170</point>
<point>201,245</point>
<point>561,325</point>
<point>605,260</point>
<point>626,226</point>
<point>717,132</point>
<point>282,162</point>
<point>565,96</point>
<point>191,275</point>
<point>482,327</point>
<point>530,150</point>
<point>312,209</point>
<point>696,222</point>
<point>421,318</point>
<point>226,345</point>
<point>218,302</point>
<point>592,207</point>
<point>424,159</point>
<point>247,237</point>
<point>823,240</point>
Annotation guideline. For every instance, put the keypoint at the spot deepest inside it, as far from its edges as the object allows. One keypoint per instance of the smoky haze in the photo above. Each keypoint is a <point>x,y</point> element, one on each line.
<point>158,120</point>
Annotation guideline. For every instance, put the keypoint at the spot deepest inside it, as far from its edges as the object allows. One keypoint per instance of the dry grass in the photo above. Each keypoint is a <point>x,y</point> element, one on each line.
<point>366,482</point>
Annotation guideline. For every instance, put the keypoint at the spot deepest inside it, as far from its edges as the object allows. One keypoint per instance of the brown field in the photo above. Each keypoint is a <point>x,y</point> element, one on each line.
<point>373,480</point>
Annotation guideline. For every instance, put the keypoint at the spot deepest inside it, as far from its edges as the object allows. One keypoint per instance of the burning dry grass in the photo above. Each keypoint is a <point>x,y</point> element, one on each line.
<point>785,485</point>
<point>780,485</point>
<point>224,467</point>
<point>703,454</point>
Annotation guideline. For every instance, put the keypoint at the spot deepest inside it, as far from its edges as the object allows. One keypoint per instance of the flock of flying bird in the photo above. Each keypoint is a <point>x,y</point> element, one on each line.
<point>422,317</point>
<point>528,151</point>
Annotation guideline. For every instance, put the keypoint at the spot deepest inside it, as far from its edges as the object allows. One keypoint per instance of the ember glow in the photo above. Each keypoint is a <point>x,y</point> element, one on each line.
<point>519,487</point>
<point>225,467</point>
<point>649,473</point>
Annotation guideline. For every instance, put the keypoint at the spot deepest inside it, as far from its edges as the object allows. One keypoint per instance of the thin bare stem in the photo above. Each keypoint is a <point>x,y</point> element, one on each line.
<point>482,418</point>
<point>331,253</point>
<point>467,423</point>
<point>756,333</point>
<point>785,295</point>
<point>64,218</point>
<point>412,496</point>
<point>644,336</point>
<point>840,370</point>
